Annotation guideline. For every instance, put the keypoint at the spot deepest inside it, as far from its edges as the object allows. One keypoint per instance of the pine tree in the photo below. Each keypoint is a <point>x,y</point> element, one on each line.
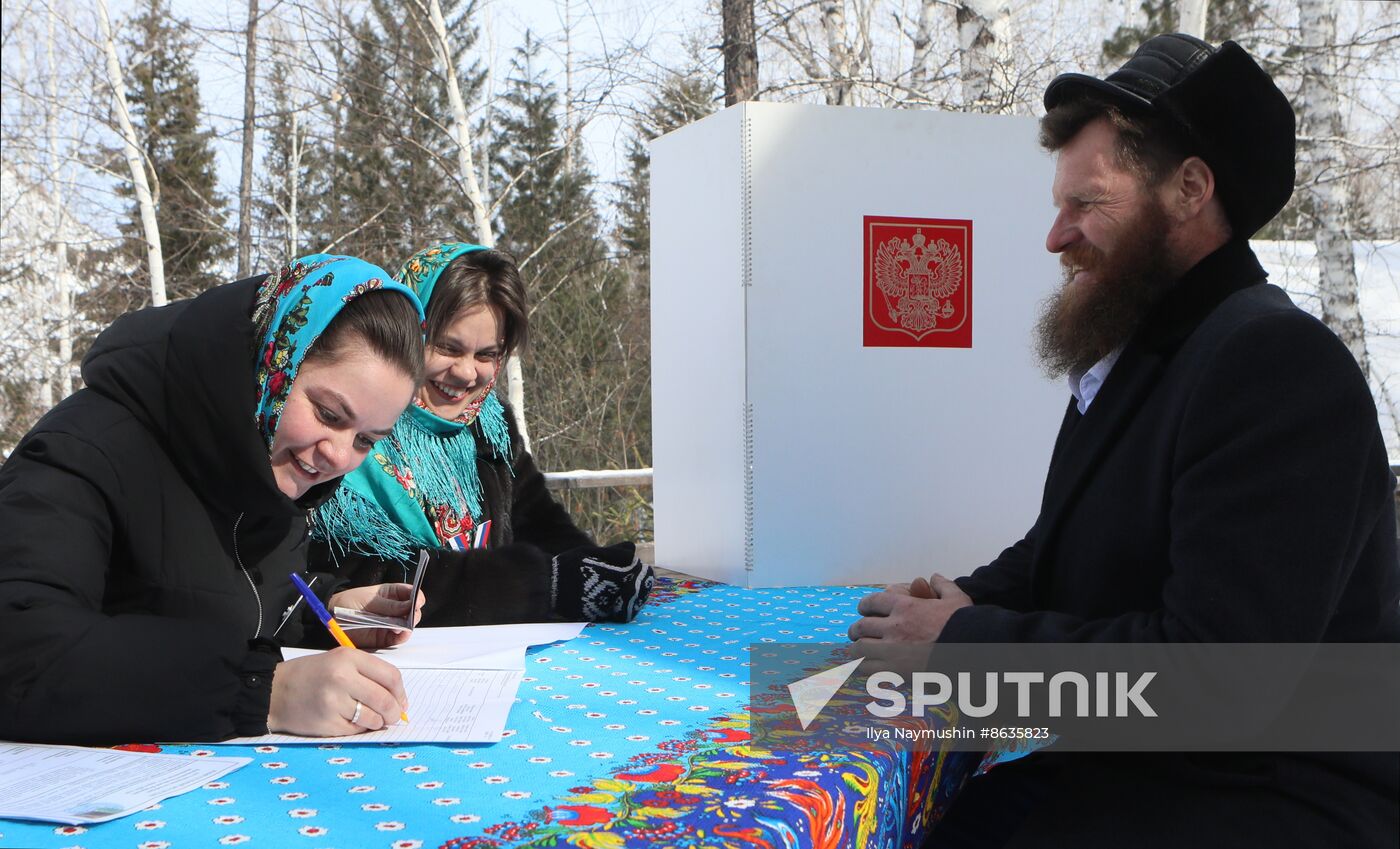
<point>352,200</point>
<point>387,176</point>
<point>424,163</point>
<point>546,209</point>
<point>192,214</point>
<point>682,99</point>
<point>586,369</point>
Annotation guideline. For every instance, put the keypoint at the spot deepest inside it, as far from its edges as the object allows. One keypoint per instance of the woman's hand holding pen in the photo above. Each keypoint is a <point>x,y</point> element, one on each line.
<point>319,695</point>
<point>384,600</point>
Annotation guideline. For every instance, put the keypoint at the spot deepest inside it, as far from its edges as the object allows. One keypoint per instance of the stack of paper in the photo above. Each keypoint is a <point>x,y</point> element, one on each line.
<point>350,619</point>
<point>78,786</point>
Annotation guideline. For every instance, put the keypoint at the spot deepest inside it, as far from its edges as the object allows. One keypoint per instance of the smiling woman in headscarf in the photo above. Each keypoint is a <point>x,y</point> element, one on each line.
<point>150,522</point>
<point>455,463</point>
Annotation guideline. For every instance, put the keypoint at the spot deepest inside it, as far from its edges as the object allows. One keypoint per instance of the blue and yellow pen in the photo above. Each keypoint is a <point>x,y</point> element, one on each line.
<point>327,619</point>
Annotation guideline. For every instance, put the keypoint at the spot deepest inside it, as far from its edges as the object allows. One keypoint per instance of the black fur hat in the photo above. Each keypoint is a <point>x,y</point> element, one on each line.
<point>1234,116</point>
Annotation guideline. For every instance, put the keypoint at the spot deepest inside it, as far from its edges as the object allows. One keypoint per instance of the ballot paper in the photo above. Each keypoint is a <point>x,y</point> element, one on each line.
<point>446,706</point>
<point>351,618</point>
<point>80,786</point>
<point>509,658</point>
<point>468,647</point>
<point>461,682</point>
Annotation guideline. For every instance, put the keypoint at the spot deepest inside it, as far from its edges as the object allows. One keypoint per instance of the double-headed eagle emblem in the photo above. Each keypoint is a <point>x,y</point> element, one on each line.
<point>918,280</point>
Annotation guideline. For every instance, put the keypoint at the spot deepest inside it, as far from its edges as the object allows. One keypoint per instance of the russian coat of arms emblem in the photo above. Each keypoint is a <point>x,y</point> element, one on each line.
<point>918,282</point>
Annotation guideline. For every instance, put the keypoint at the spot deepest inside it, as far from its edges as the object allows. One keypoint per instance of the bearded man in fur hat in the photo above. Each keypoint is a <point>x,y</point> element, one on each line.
<point>1219,476</point>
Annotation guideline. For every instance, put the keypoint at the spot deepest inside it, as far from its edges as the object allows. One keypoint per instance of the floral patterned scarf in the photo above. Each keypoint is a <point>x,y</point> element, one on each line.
<point>420,487</point>
<point>292,309</point>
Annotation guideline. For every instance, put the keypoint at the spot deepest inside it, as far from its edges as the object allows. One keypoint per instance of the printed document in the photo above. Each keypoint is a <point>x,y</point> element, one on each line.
<point>80,786</point>
<point>461,682</point>
<point>468,647</point>
<point>446,705</point>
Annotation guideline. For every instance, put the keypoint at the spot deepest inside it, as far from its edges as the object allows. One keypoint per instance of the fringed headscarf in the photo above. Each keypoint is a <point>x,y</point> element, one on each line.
<point>292,309</point>
<point>419,488</point>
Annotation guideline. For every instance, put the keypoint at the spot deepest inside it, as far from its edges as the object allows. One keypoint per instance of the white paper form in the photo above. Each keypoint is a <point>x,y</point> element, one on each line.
<point>448,706</point>
<point>79,786</point>
<point>437,658</point>
<point>469,647</point>
<point>431,645</point>
<point>461,682</point>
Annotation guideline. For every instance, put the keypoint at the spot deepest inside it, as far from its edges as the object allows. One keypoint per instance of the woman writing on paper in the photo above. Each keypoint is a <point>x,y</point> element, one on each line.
<point>454,479</point>
<point>149,523</point>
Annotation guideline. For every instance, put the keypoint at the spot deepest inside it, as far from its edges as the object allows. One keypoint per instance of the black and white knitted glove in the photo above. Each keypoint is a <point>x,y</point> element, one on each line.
<point>594,584</point>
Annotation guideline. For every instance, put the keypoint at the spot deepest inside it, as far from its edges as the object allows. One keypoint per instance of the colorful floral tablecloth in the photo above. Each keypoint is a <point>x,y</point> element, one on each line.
<point>630,735</point>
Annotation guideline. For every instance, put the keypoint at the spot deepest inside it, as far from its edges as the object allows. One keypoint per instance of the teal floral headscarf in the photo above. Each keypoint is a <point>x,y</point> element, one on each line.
<point>419,488</point>
<point>293,307</point>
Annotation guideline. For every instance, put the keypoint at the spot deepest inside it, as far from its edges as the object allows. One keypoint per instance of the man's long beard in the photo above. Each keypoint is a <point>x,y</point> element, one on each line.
<point>1080,324</point>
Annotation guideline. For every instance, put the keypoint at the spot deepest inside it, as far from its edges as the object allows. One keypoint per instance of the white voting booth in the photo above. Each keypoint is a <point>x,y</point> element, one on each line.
<point>843,383</point>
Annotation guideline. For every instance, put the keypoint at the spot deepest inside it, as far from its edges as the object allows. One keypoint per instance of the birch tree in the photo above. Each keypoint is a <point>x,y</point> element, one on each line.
<point>842,55</point>
<point>1324,184</point>
<point>279,209</point>
<point>951,54</point>
<point>245,180</point>
<point>588,358</point>
<point>178,143</point>
<point>923,44</point>
<point>62,273</point>
<point>141,185</point>
<point>1212,20</point>
<point>26,212</point>
<point>386,179</point>
<point>1193,17</point>
<point>571,126</point>
<point>984,34</point>
<point>833,51</point>
<point>51,75</point>
<point>461,124</point>
<point>481,217</point>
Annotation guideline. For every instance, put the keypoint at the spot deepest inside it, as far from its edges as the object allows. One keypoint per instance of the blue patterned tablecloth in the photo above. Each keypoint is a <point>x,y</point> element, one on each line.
<point>629,735</point>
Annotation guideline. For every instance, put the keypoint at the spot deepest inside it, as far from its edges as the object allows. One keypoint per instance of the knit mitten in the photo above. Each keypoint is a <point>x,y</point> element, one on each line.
<point>593,584</point>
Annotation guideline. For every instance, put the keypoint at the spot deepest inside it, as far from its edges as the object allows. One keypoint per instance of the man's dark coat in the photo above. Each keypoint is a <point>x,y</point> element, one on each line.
<point>1228,484</point>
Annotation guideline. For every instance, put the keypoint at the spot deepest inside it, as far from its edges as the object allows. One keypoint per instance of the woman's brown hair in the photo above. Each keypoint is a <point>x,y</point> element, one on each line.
<point>385,322</point>
<point>488,277</point>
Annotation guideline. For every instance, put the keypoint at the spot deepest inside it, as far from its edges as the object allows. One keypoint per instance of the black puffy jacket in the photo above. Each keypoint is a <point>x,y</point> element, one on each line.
<point>144,546</point>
